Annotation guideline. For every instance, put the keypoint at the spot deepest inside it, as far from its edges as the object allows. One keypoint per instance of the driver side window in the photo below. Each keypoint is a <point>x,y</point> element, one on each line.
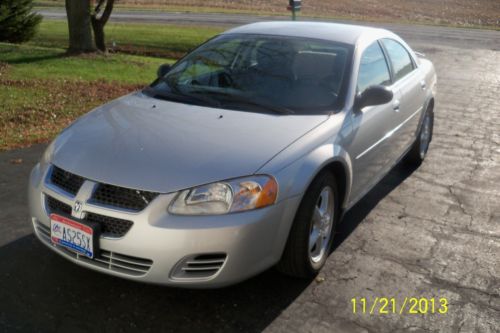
<point>373,69</point>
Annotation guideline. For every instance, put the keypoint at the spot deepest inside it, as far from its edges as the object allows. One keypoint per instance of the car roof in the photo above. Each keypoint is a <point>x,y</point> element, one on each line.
<point>343,33</point>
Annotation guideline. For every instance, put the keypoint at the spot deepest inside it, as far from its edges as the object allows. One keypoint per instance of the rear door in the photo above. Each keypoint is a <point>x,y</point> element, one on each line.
<point>410,85</point>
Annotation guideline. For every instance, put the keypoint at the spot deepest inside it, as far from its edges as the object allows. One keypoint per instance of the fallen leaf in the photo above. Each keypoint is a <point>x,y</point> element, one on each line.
<point>320,279</point>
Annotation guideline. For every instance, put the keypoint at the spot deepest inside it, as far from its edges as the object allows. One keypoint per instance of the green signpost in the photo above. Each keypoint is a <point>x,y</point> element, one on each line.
<point>294,6</point>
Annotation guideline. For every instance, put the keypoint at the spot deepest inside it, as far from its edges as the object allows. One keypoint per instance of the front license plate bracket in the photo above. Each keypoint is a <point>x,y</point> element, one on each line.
<point>81,237</point>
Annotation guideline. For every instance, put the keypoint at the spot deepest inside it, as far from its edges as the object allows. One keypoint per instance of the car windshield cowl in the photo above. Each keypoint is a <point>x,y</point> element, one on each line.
<point>237,100</point>
<point>257,73</point>
<point>214,98</point>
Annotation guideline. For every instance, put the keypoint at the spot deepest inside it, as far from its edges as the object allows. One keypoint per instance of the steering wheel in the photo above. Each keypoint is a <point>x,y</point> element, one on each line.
<point>225,80</point>
<point>328,83</point>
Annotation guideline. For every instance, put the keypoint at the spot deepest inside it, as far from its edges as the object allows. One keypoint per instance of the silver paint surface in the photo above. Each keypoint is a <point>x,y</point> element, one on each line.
<point>148,144</point>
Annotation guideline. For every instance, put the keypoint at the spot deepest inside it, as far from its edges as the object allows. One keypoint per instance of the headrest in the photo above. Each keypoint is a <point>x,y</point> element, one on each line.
<point>308,65</point>
<point>275,53</point>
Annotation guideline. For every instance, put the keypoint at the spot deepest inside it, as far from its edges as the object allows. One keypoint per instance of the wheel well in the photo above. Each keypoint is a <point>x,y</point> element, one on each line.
<point>431,105</point>
<point>338,170</point>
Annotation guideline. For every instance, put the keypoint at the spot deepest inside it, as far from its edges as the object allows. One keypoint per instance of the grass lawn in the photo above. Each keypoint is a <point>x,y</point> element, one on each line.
<point>42,89</point>
<point>168,41</point>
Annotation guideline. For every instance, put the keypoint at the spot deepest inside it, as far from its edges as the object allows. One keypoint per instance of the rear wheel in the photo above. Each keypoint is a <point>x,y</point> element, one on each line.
<point>419,150</point>
<point>311,236</point>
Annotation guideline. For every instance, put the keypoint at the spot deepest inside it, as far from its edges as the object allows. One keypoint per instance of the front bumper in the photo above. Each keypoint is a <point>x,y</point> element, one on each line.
<point>222,249</point>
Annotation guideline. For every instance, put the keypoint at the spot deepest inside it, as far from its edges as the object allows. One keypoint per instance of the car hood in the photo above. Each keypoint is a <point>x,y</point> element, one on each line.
<point>154,145</point>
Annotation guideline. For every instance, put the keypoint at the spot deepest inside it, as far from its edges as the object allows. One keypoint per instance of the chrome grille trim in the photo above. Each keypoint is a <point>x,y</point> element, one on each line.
<point>111,227</point>
<point>122,198</point>
<point>221,261</point>
<point>105,196</point>
<point>111,261</point>
<point>203,266</point>
<point>128,259</point>
<point>56,193</point>
<point>42,230</point>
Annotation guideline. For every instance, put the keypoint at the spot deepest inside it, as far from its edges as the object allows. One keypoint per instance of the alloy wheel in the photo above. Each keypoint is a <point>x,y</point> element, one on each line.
<point>321,226</point>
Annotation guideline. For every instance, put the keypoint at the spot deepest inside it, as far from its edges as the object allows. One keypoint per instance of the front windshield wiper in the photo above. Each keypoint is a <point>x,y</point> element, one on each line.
<point>242,100</point>
<point>178,95</point>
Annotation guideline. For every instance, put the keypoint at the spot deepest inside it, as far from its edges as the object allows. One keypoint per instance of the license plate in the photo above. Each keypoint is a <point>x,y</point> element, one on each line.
<point>73,235</point>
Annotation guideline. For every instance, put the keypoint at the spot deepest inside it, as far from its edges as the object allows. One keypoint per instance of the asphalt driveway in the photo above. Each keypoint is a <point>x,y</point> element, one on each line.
<point>429,232</point>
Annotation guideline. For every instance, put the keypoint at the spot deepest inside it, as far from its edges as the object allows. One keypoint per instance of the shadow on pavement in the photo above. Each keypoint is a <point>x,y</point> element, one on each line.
<point>358,212</point>
<point>40,291</point>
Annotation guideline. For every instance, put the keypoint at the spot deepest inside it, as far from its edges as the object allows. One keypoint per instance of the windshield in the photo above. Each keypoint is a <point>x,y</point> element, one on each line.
<point>260,73</point>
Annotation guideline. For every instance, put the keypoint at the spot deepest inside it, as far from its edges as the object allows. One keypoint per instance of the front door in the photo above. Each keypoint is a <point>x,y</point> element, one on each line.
<point>371,143</point>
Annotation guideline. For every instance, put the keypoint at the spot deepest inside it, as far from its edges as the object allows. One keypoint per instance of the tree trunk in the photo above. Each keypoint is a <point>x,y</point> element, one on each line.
<point>98,23</point>
<point>80,34</point>
<point>98,28</point>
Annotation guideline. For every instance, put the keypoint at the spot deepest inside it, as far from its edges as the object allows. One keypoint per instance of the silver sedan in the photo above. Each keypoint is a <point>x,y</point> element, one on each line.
<point>241,156</point>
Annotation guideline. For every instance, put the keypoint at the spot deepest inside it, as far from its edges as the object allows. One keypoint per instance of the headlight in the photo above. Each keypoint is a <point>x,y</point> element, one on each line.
<point>229,196</point>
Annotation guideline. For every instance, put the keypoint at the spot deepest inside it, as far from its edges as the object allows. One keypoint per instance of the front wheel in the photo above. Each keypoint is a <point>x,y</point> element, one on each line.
<point>311,236</point>
<point>419,149</point>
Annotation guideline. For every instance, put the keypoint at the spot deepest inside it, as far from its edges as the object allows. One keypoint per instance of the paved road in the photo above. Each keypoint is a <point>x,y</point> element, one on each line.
<point>469,38</point>
<point>430,232</point>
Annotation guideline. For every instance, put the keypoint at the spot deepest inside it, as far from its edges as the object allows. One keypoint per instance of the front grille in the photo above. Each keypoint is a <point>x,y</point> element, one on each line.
<point>67,181</point>
<point>111,261</point>
<point>104,194</point>
<point>199,266</point>
<point>110,226</point>
<point>122,197</point>
<point>56,206</point>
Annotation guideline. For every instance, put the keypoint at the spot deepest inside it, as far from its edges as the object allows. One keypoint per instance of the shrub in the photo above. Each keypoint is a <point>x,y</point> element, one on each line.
<point>17,21</point>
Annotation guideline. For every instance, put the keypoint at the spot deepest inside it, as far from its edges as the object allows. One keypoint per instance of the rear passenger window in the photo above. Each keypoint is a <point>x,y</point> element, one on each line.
<point>373,68</point>
<point>400,58</point>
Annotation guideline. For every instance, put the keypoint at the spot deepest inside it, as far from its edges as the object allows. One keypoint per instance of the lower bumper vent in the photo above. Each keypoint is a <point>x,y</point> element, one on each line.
<point>201,266</point>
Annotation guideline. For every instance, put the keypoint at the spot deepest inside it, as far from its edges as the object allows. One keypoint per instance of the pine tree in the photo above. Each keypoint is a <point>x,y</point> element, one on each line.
<point>18,23</point>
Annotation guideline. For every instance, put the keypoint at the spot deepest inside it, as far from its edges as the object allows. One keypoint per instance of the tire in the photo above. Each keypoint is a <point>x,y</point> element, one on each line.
<point>299,259</point>
<point>418,151</point>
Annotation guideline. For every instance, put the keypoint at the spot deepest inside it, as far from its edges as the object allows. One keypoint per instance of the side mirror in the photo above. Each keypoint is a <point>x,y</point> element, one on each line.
<point>373,95</point>
<point>163,69</point>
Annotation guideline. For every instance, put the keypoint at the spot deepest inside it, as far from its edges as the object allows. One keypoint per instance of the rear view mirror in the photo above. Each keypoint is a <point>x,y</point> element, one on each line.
<point>163,70</point>
<point>373,95</point>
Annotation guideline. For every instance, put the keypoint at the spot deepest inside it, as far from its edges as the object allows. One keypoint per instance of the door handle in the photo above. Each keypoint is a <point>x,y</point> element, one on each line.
<point>395,105</point>
<point>423,85</point>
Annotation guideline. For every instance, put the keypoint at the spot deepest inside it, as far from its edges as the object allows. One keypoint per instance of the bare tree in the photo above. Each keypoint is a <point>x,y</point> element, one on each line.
<point>83,19</point>
<point>80,33</point>
<point>98,22</point>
